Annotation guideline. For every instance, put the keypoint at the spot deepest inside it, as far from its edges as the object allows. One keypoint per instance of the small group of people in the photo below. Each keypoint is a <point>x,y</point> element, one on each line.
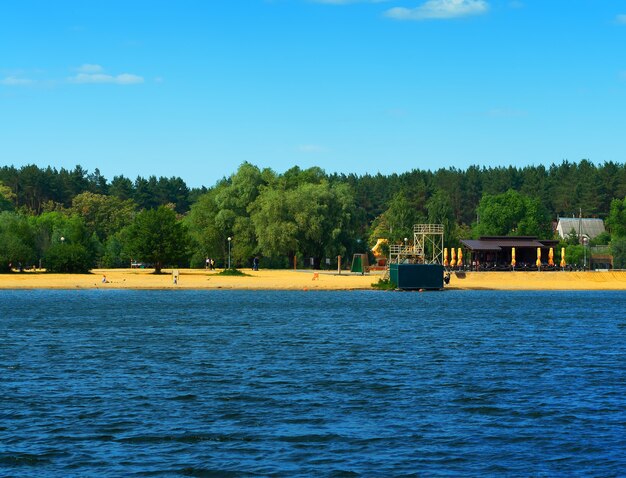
<point>209,264</point>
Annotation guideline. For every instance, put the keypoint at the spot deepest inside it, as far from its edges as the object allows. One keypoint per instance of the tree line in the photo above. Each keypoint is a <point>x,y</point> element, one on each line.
<point>73,220</point>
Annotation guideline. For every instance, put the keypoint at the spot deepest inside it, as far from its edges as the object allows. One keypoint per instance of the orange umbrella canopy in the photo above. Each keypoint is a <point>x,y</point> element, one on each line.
<point>445,257</point>
<point>459,260</point>
<point>513,257</point>
<point>551,257</point>
<point>539,257</point>
<point>453,258</point>
<point>563,263</point>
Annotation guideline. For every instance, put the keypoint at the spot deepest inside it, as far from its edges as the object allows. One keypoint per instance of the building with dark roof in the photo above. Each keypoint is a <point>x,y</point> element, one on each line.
<point>495,252</point>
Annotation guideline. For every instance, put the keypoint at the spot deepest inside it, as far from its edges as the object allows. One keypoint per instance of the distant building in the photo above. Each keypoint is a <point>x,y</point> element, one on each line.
<point>584,227</point>
<point>495,252</point>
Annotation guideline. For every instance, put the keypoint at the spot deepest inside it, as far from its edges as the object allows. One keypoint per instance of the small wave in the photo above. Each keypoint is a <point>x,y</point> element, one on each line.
<point>184,398</point>
<point>23,459</point>
<point>184,438</point>
<point>311,438</point>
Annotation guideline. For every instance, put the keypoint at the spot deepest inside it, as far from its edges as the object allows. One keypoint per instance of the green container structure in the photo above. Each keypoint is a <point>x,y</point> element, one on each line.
<point>417,276</point>
<point>359,263</point>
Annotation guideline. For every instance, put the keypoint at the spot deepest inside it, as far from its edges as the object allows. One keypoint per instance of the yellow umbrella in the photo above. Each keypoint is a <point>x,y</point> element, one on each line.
<point>563,263</point>
<point>453,259</point>
<point>459,261</point>
<point>445,257</point>
<point>551,257</point>
<point>539,257</point>
<point>513,257</point>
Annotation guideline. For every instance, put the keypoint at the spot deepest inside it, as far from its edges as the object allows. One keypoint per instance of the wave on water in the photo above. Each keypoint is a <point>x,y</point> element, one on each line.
<point>277,383</point>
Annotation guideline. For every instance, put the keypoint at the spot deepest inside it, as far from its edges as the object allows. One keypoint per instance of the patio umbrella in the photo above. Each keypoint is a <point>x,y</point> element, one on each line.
<point>445,257</point>
<point>563,263</point>
<point>539,257</point>
<point>551,257</point>
<point>459,260</point>
<point>513,256</point>
<point>453,259</point>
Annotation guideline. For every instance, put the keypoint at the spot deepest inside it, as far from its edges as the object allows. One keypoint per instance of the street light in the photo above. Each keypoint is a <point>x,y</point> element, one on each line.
<point>229,239</point>
<point>62,240</point>
<point>585,241</point>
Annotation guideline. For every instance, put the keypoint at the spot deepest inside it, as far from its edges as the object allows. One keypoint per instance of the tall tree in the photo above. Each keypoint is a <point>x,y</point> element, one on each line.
<point>157,237</point>
<point>512,213</point>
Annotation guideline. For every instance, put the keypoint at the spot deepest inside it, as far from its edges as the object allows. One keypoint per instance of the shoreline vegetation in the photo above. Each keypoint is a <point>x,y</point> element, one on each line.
<point>197,279</point>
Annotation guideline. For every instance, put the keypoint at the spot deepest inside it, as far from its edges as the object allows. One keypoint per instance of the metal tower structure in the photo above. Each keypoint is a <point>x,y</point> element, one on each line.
<point>426,248</point>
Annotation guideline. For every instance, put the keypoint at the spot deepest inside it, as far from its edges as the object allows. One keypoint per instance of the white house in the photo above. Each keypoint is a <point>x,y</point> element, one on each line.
<point>588,227</point>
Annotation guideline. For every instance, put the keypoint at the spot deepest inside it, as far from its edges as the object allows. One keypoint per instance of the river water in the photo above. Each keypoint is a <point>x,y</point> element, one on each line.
<point>259,383</point>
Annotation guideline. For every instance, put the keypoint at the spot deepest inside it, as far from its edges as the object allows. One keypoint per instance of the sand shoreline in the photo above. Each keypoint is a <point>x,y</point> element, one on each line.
<point>193,279</point>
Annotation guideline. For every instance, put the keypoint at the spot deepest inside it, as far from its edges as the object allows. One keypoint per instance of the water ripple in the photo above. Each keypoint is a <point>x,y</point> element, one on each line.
<point>228,383</point>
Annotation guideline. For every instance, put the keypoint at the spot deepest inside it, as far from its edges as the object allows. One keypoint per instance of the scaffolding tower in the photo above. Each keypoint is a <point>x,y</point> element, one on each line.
<point>426,248</point>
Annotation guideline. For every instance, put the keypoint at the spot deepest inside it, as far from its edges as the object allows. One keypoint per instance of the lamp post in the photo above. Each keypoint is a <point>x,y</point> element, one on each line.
<point>229,239</point>
<point>585,241</point>
<point>62,240</point>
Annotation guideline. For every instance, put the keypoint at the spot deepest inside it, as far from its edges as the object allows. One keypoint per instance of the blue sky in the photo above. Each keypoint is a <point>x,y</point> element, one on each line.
<point>193,88</point>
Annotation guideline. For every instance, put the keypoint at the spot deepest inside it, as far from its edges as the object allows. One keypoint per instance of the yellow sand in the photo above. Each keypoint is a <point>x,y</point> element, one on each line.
<point>189,279</point>
<point>589,280</point>
<point>301,280</point>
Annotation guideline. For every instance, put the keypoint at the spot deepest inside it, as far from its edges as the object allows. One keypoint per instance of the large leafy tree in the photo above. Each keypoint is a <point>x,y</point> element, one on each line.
<point>156,236</point>
<point>103,215</point>
<point>16,241</point>
<point>397,221</point>
<point>313,219</point>
<point>224,211</point>
<point>64,242</point>
<point>512,213</point>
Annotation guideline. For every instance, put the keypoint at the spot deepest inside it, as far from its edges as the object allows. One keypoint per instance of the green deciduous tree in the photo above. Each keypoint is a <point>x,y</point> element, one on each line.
<point>103,215</point>
<point>16,241</point>
<point>68,258</point>
<point>157,237</point>
<point>312,219</point>
<point>616,222</point>
<point>511,213</point>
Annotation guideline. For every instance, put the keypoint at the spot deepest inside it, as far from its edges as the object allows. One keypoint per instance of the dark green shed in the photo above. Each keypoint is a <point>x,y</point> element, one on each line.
<point>416,276</point>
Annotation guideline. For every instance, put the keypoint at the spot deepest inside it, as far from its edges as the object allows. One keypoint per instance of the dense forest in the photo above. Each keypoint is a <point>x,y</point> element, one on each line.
<point>74,220</point>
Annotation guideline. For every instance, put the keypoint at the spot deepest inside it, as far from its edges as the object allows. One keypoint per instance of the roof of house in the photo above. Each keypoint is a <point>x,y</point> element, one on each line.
<point>586,226</point>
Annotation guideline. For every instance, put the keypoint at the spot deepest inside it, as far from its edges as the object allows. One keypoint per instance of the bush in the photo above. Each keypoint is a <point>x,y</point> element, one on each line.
<point>232,272</point>
<point>68,258</point>
<point>384,284</point>
<point>198,261</point>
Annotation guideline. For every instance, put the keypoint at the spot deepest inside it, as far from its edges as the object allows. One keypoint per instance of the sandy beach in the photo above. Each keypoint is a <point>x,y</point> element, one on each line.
<point>305,280</point>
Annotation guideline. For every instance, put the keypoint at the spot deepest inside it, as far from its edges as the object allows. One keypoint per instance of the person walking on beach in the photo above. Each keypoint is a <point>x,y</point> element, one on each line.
<point>255,264</point>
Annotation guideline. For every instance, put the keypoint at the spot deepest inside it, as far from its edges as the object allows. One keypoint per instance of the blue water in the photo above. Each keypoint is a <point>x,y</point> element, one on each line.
<point>229,383</point>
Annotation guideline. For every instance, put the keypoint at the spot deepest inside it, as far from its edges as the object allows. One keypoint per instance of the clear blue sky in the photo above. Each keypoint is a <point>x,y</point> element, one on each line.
<point>193,88</point>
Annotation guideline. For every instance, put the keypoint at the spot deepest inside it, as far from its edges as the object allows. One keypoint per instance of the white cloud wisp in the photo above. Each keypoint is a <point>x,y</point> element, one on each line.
<point>89,73</point>
<point>439,10</point>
